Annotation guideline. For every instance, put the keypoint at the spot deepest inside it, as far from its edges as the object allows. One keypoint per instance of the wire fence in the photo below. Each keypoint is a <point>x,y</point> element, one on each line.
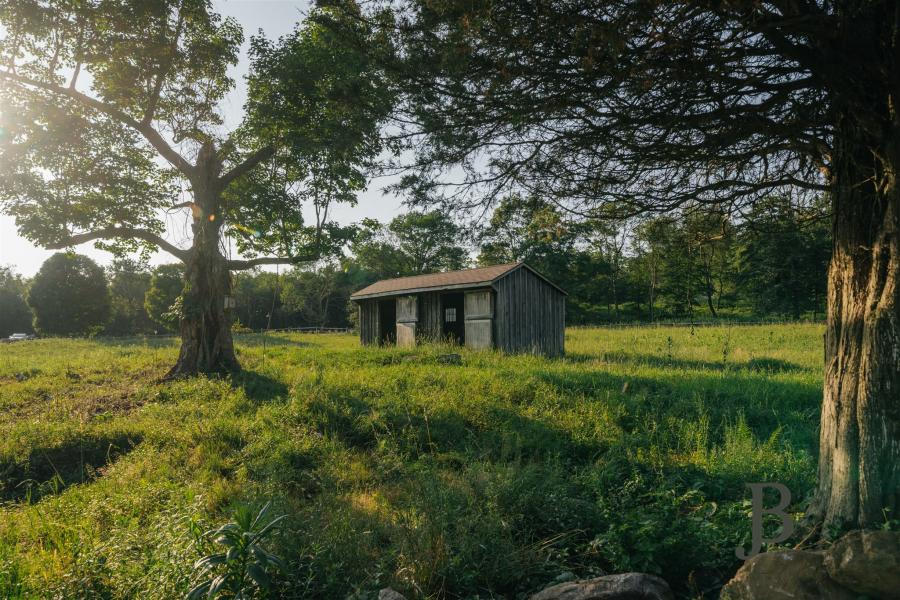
<point>299,330</point>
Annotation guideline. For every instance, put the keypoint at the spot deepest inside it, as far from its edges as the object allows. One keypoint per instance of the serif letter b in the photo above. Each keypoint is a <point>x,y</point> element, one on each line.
<point>759,511</point>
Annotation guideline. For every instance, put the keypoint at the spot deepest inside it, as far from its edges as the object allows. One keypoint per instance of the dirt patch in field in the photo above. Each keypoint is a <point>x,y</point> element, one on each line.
<point>82,395</point>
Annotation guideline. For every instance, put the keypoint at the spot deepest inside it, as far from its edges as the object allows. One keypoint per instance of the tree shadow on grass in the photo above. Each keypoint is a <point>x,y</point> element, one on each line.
<point>51,469</point>
<point>773,365</point>
<point>722,397</point>
<point>259,387</point>
<point>497,433</point>
<point>760,365</point>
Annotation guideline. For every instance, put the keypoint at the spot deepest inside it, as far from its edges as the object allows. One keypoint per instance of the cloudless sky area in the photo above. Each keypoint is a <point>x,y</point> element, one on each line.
<point>274,18</point>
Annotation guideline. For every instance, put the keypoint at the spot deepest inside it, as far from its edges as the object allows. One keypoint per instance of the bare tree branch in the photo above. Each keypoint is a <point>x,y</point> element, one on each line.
<point>110,233</point>
<point>245,166</point>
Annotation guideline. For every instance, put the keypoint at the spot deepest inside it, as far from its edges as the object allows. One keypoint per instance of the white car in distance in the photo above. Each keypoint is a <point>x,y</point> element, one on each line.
<point>18,337</point>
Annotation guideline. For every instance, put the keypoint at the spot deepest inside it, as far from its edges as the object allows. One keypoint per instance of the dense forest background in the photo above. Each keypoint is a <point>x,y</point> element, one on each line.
<point>700,264</point>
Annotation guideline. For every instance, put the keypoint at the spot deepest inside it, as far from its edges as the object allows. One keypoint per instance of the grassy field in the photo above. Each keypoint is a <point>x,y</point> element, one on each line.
<point>486,479</point>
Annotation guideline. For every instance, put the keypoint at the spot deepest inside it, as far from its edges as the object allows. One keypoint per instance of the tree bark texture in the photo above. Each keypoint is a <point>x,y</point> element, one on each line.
<point>859,449</point>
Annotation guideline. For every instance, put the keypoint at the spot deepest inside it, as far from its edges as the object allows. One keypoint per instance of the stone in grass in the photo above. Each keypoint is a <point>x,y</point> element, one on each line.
<point>786,575</point>
<point>624,586</point>
<point>867,562</point>
<point>450,359</point>
<point>389,594</point>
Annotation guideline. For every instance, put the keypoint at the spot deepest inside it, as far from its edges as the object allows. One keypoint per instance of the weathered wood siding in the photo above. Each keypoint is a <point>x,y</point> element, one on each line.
<point>368,322</point>
<point>529,315</point>
<point>407,309</point>
<point>479,313</point>
<point>479,304</point>
<point>407,318</point>
<point>479,334</point>
<point>406,334</point>
<point>429,327</point>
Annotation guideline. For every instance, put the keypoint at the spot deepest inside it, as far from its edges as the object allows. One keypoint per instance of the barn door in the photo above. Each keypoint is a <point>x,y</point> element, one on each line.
<point>407,318</point>
<point>479,317</point>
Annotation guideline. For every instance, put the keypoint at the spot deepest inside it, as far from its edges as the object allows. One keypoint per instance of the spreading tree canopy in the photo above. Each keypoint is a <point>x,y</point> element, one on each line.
<point>69,296</point>
<point>414,243</point>
<point>110,120</point>
<point>632,106</point>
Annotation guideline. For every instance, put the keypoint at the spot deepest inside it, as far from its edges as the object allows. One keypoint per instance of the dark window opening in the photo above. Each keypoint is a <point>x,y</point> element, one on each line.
<point>453,327</point>
<point>387,321</point>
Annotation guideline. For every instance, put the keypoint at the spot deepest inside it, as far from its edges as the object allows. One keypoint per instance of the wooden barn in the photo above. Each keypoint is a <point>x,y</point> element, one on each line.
<point>511,307</point>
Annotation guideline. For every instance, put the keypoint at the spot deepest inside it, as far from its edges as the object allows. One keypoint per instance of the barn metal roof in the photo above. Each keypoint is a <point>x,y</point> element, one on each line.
<point>468,278</point>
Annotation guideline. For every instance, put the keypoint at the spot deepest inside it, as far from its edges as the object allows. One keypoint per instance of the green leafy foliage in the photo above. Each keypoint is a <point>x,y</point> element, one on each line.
<point>782,256</point>
<point>695,264</point>
<point>111,120</point>
<point>161,298</point>
<point>15,316</point>
<point>324,102</point>
<point>129,282</point>
<point>413,243</point>
<point>311,294</point>
<point>243,569</point>
<point>69,296</point>
<point>69,167</point>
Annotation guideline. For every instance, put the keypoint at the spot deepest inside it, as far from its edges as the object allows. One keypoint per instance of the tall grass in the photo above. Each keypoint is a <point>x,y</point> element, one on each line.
<point>489,478</point>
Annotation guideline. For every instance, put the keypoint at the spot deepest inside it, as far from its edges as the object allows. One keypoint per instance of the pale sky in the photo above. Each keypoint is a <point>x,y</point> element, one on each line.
<point>275,18</point>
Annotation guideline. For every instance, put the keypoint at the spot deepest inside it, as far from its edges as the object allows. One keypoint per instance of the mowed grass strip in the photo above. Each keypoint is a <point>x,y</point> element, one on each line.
<point>489,478</point>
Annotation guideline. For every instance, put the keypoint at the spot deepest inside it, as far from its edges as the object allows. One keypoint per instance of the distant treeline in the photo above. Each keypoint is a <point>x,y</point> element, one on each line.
<point>700,264</point>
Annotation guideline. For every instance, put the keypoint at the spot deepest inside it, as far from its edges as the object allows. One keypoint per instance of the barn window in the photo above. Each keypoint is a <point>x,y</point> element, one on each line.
<point>450,315</point>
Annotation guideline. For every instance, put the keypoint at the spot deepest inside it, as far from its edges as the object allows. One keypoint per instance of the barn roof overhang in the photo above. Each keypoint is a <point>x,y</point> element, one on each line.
<point>422,290</point>
<point>450,281</point>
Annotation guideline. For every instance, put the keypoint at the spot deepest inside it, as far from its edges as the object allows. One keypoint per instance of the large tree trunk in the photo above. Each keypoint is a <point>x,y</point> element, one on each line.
<point>206,343</point>
<point>859,456</point>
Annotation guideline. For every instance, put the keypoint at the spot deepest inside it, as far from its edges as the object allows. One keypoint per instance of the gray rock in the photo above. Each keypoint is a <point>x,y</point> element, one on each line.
<point>788,575</point>
<point>867,562</point>
<point>624,586</point>
<point>389,594</point>
<point>450,359</point>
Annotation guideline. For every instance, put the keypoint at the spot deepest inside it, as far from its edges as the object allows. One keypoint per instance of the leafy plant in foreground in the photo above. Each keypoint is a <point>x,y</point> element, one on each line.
<point>244,568</point>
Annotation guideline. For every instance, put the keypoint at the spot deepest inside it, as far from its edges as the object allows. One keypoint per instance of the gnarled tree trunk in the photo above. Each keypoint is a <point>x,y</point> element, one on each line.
<point>206,343</point>
<point>859,456</point>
